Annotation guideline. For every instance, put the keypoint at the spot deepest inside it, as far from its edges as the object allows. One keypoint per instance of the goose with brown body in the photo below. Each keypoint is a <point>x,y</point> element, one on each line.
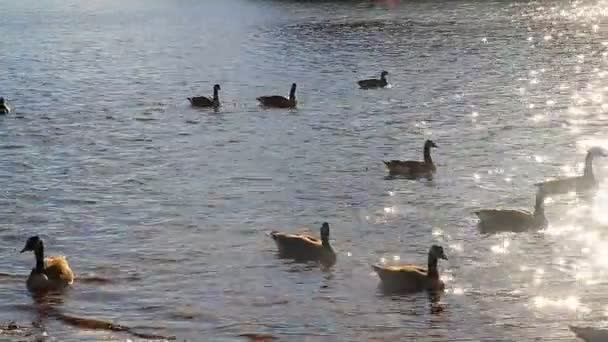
<point>373,82</point>
<point>579,184</point>
<point>412,278</point>
<point>512,220</point>
<point>414,169</point>
<point>304,247</point>
<point>277,101</point>
<point>205,102</point>
<point>49,274</point>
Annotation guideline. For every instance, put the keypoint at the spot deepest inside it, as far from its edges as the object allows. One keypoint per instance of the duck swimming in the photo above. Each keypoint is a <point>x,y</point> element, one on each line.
<point>202,101</point>
<point>414,169</point>
<point>411,278</point>
<point>374,83</point>
<point>579,184</point>
<point>276,101</point>
<point>510,220</point>
<point>303,247</point>
<point>4,108</point>
<point>50,274</point>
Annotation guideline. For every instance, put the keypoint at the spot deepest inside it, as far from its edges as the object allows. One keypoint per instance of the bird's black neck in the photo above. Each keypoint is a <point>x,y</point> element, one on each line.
<point>539,208</point>
<point>432,267</point>
<point>216,97</point>
<point>427,154</point>
<point>292,94</point>
<point>588,172</point>
<point>325,241</point>
<point>39,253</point>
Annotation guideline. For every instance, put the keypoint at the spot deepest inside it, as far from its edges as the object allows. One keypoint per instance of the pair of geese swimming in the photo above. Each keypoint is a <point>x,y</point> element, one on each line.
<point>404,278</point>
<point>277,101</point>
<point>501,220</point>
<point>273,101</point>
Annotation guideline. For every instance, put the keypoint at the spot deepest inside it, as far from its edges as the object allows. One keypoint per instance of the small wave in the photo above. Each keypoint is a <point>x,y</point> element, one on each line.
<point>139,139</point>
<point>14,329</point>
<point>258,336</point>
<point>76,201</point>
<point>251,179</point>
<point>95,280</point>
<point>270,303</point>
<point>11,147</point>
<point>96,324</point>
<point>9,276</point>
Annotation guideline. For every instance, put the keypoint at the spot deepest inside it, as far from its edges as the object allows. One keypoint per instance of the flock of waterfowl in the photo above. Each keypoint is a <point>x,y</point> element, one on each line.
<point>278,101</point>
<point>52,274</point>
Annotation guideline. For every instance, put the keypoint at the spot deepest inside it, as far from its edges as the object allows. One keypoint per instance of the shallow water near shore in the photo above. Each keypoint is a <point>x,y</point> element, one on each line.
<point>164,210</point>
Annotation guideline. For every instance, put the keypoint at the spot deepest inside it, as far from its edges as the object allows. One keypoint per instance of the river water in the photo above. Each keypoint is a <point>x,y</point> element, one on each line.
<point>164,210</point>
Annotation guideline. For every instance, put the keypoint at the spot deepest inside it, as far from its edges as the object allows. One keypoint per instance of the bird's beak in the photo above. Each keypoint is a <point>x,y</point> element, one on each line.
<point>23,250</point>
<point>444,257</point>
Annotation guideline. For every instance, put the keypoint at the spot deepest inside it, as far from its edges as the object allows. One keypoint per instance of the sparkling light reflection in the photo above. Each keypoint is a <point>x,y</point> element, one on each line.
<point>571,303</point>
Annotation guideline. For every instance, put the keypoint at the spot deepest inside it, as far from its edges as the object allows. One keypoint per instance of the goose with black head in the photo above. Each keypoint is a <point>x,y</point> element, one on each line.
<point>277,101</point>
<point>304,247</point>
<point>513,220</point>
<point>49,274</point>
<point>579,184</point>
<point>205,102</point>
<point>374,83</point>
<point>412,278</point>
<point>414,169</point>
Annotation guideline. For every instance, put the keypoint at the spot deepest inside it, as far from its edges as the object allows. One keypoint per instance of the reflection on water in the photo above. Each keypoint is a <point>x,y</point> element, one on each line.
<point>158,205</point>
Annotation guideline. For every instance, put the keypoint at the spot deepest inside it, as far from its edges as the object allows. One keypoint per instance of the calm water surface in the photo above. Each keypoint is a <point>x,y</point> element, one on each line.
<point>106,160</point>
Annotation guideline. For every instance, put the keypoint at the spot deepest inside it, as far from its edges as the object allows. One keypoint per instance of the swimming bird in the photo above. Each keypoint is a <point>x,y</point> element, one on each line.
<point>4,108</point>
<point>588,334</point>
<point>414,169</point>
<point>578,184</point>
<point>50,274</point>
<point>373,82</point>
<point>277,101</point>
<point>411,278</point>
<point>303,247</point>
<point>510,220</point>
<point>202,101</point>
